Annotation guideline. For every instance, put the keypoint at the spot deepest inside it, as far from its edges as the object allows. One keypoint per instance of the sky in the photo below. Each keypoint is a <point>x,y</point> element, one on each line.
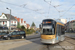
<point>37,10</point>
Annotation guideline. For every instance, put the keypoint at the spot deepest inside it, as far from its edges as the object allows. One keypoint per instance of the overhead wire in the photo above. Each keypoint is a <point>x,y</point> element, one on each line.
<point>22,6</point>
<point>8,3</point>
<point>59,11</point>
<point>49,5</point>
<point>68,10</point>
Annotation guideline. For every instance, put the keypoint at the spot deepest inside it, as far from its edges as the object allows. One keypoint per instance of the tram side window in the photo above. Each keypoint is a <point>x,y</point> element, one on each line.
<point>58,30</point>
<point>62,30</point>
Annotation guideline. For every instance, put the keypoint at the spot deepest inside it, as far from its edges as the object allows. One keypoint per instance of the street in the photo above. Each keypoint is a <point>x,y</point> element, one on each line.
<point>67,44</point>
<point>35,44</point>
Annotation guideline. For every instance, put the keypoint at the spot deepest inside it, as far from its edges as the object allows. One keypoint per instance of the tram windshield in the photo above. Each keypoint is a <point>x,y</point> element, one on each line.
<point>48,31</point>
<point>48,27</point>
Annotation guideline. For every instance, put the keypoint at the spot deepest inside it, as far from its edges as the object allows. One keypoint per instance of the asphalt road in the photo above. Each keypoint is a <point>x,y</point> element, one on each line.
<point>34,43</point>
<point>67,44</point>
<point>33,36</point>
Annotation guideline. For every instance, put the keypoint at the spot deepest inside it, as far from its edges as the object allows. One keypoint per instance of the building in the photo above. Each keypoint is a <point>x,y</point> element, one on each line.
<point>28,26</point>
<point>34,28</point>
<point>4,21</point>
<point>23,23</point>
<point>70,26</point>
<point>63,20</point>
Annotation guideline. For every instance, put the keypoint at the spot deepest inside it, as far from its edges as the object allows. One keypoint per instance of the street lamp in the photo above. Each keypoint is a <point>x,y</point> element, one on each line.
<point>9,20</point>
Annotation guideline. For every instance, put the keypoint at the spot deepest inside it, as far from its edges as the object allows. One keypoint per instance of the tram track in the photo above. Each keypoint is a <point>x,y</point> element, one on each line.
<point>52,46</point>
<point>48,47</point>
<point>69,41</point>
<point>61,46</point>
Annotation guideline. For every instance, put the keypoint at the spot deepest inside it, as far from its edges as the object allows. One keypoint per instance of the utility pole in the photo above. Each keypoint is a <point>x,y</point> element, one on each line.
<point>9,20</point>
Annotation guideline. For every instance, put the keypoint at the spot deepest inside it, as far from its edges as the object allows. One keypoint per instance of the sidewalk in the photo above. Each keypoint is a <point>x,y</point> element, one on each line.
<point>72,35</point>
<point>31,34</point>
<point>13,44</point>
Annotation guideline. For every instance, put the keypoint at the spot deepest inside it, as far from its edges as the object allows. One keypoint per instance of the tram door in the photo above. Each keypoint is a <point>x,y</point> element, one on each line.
<point>62,33</point>
<point>58,33</point>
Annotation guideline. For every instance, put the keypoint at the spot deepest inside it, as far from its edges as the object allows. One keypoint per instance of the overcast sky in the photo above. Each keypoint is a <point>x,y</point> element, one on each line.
<point>37,10</point>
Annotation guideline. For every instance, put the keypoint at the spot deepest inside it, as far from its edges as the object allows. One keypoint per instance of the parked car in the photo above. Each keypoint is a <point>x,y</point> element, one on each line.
<point>15,34</point>
<point>2,34</point>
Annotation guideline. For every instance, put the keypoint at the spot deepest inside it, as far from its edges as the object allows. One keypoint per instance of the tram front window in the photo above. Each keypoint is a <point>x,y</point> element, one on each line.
<point>48,32</point>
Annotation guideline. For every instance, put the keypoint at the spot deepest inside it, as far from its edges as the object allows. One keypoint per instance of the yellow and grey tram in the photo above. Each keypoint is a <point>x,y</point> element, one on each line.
<point>52,31</point>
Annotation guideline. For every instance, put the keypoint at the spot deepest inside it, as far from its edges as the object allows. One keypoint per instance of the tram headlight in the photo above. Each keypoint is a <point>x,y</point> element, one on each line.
<point>53,42</point>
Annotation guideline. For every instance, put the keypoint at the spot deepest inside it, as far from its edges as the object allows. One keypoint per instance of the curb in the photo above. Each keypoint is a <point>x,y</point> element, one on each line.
<point>70,37</point>
<point>12,40</point>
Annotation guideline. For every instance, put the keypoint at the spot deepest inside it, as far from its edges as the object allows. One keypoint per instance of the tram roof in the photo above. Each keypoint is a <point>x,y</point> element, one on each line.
<point>57,20</point>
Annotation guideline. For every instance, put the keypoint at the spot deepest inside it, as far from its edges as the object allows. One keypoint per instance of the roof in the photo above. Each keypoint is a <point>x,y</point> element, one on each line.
<point>8,17</point>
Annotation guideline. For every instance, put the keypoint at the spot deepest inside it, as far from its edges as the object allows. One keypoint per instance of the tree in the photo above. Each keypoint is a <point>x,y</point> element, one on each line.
<point>18,25</point>
<point>33,24</point>
<point>22,27</point>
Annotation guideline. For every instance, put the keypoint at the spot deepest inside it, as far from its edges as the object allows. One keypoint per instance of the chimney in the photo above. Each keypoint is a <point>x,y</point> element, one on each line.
<point>21,20</point>
<point>18,19</point>
<point>24,21</point>
<point>15,17</point>
<point>2,13</point>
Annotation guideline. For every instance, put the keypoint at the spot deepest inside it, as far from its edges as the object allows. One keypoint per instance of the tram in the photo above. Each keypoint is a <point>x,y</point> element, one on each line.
<point>52,31</point>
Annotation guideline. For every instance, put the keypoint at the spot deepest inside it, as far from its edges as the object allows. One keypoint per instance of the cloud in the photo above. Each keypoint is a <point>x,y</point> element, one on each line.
<point>37,16</point>
<point>33,6</point>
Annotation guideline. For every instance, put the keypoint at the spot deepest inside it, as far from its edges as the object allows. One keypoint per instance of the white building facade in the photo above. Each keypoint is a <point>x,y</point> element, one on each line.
<point>4,21</point>
<point>23,23</point>
<point>63,20</point>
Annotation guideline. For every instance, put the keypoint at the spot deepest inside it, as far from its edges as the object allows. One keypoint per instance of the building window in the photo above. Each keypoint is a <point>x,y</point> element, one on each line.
<point>13,25</point>
<point>3,22</point>
<point>11,21</point>
<point>15,22</point>
<point>3,16</point>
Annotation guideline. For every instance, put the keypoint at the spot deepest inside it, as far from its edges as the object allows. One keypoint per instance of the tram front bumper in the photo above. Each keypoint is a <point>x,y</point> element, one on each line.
<point>48,41</point>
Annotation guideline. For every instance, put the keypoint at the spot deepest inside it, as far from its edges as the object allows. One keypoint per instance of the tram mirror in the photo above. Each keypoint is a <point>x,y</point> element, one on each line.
<point>40,26</point>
